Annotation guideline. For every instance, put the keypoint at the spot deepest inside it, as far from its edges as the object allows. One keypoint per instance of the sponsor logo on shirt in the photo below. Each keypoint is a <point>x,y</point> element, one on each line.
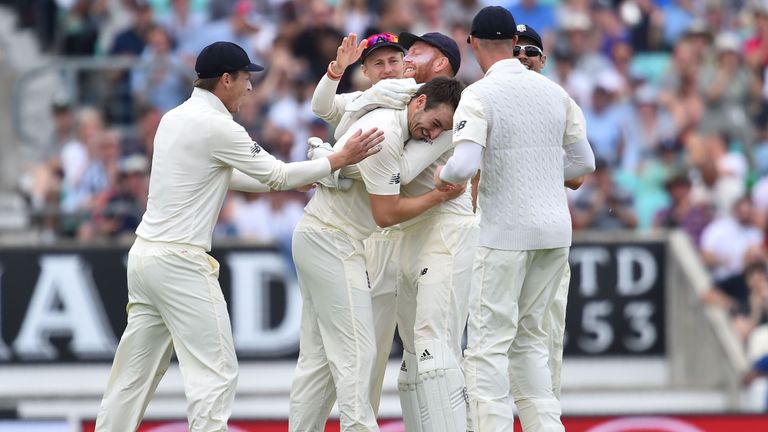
<point>395,179</point>
<point>255,149</point>
<point>424,271</point>
<point>459,126</point>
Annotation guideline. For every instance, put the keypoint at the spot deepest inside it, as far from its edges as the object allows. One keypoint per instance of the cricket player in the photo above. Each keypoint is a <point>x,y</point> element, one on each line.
<point>523,246</point>
<point>432,307</point>
<point>337,320</point>
<point>382,58</point>
<point>174,298</point>
<point>530,51</point>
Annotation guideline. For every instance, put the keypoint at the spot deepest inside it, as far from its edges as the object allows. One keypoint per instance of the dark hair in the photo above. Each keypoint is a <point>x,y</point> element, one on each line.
<point>756,267</point>
<point>441,90</point>
<point>210,83</point>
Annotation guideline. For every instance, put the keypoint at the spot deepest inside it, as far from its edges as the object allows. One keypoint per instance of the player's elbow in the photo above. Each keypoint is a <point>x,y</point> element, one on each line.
<point>384,220</point>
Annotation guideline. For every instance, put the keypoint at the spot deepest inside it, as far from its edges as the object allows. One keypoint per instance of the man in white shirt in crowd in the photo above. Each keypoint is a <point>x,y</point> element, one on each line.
<point>529,144</point>
<point>431,305</point>
<point>174,298</point>
<point>337,332</point>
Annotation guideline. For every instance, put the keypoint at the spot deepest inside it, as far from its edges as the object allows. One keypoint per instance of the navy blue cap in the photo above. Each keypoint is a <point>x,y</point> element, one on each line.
<point>525,31</point>
<point>219,58</point>
<point>444,43</point>
<point>493,22</point>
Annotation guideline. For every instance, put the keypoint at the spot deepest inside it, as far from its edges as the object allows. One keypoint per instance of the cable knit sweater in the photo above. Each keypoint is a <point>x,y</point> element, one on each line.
<point>521,189</point>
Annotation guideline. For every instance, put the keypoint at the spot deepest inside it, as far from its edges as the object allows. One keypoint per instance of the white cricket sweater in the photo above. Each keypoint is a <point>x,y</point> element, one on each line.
<point>521,188</point>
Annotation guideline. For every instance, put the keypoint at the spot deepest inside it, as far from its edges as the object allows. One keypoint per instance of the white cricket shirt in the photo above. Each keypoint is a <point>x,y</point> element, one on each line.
<point>350,211</point>
<point>196,147</point>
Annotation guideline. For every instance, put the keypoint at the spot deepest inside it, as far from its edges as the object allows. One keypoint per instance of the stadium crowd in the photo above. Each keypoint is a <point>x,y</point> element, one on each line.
<point>675,94</point>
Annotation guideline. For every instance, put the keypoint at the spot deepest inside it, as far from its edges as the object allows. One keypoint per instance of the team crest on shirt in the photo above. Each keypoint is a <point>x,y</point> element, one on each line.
<point>255,149</point>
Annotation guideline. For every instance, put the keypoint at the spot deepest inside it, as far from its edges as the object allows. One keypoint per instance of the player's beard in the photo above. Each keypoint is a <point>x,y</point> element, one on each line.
<point>409,71</point>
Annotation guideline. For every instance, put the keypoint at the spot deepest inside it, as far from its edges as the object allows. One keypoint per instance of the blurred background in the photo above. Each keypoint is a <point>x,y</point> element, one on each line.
<point>667,313</point>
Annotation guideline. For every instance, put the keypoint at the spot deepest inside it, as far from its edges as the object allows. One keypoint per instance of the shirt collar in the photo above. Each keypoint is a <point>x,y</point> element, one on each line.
<point>511,64</point>
<point>211,100</point>
<point>402,116</point>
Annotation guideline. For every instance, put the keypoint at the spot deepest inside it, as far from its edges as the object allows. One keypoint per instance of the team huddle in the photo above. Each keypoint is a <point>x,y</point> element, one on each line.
<point>392,238</point>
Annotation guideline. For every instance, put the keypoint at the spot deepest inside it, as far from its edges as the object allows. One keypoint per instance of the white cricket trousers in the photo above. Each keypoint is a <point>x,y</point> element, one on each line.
<point>555,328</point>
<point>437,256</point>
<point>382,256</point>
<point>554,325</point>
<point>512,292</point>
<point>174,302</point>
<point>337,333</point>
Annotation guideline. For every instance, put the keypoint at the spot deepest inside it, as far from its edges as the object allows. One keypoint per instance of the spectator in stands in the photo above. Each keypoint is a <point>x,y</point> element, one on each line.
<point>394,16</point>
<point>101,172</point>
<point>679,88</point>
<point>316,44</point>
<point>429,17</point>
<point>118,210</point>
<point>678,15</point>
<point>44,174</point>
<point>726,87</point>
<point>564,72</point>
<point>720,173</point>
<point>75,156</point>
<point>604,119</point>
<point>728,245</point>
<point>183,23</point>
<point>756,47</point>
<point>239,27</point>
<point>129,43</point>
<point>683,212</point>
<point>537,14</point>
<point>80,27</point>
<point>141,140</point>
<point>748,324</point>
<point>645,25</point>
<point>601,204</point>
<point>160,78</point>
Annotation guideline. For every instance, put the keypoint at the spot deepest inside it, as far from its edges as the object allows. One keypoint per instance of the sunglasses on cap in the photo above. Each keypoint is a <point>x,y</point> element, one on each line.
<point>529,50</point>
<point>381,37</point>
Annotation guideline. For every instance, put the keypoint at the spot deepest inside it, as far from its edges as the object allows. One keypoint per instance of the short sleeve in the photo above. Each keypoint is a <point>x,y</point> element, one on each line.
<point>381,172</point>
<point>469,123</point>
<point>575,124</point>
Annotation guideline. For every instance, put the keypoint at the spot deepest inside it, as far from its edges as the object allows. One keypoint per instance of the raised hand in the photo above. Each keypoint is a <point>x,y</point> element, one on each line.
<point>347,53</point>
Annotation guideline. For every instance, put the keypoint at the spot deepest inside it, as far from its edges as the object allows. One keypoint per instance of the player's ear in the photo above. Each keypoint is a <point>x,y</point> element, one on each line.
<point>441,64</point>
<point>543,60</point>
<point>420,101</point>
